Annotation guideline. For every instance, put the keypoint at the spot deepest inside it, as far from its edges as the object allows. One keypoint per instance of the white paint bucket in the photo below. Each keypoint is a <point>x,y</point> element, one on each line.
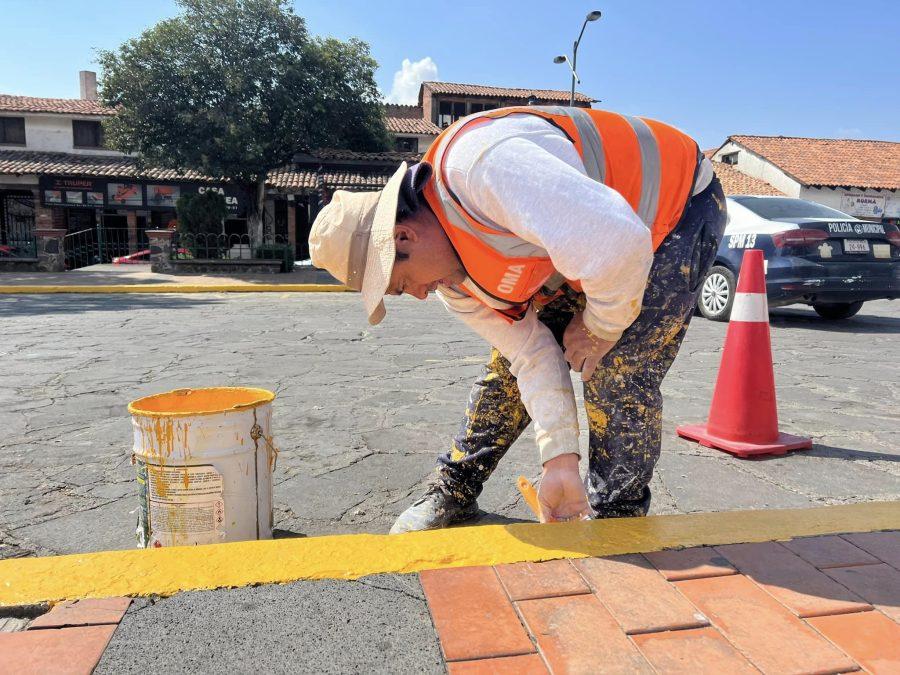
<point>204,461</point>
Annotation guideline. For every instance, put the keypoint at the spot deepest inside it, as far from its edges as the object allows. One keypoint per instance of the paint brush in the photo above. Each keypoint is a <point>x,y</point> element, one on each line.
<point>530,495</point>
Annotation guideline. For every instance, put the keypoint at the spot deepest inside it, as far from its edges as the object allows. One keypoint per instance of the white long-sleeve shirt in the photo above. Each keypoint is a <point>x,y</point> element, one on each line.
<point>524,174</point>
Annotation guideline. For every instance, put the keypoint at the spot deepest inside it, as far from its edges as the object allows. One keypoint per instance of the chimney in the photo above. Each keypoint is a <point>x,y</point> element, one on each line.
<point>88,81</point>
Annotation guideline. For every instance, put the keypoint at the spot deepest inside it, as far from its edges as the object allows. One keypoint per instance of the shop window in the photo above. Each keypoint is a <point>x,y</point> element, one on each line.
<point>406,144</point>
<point>12,130</point>
<point>87,134</point>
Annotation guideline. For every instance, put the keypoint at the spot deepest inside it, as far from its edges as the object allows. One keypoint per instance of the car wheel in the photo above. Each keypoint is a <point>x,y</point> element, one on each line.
<point>837,310</point>
<point>717,294</point>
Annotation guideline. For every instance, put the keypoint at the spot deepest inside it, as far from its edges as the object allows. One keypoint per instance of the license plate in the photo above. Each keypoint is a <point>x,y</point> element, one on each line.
<point>856,245</point>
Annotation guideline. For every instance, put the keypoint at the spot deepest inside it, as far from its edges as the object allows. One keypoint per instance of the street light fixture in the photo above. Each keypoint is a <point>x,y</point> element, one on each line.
<point>592,16</point>
<point>565,59</point>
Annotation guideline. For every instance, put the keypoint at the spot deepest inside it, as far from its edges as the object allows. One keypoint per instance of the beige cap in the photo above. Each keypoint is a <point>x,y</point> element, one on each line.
<point>353,238</point>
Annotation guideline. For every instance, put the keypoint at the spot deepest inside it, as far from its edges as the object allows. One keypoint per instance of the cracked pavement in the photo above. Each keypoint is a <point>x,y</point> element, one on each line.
<point>362,412</point>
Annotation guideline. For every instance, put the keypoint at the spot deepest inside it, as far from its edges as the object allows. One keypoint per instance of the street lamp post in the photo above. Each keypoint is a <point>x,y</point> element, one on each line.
<point>592,16</point>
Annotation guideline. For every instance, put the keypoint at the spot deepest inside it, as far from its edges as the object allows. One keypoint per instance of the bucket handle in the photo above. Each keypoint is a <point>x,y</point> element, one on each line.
<point>256,433</point>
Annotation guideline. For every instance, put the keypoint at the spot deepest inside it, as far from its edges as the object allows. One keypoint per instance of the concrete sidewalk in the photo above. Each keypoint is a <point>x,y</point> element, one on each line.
<point>140,274</point>
<point>826,603</point>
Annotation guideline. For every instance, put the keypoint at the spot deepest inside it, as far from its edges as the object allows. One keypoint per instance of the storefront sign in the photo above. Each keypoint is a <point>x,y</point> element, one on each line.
<point>130,195</point>
<point>863,206</point>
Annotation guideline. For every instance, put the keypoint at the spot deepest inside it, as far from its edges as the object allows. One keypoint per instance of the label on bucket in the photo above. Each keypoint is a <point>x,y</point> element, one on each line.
<point>184,505</point>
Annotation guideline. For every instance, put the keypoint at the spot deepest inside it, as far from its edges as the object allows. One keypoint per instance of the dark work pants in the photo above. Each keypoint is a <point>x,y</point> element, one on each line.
<point>622,398</point>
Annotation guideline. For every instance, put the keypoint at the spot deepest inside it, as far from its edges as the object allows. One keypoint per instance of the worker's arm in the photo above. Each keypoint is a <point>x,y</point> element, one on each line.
<point>538,364</point>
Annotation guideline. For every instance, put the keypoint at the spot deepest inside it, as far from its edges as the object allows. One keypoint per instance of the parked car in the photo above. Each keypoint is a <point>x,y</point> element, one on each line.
<point>815,255</point>
<point>139,257</point>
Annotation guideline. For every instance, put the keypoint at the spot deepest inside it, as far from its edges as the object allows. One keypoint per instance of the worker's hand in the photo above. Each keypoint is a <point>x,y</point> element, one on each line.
<point>584,350</point>
<point>561,494</point>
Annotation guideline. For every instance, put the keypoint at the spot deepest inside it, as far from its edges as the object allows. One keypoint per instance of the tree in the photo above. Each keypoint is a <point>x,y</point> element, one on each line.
<point>234,88</point>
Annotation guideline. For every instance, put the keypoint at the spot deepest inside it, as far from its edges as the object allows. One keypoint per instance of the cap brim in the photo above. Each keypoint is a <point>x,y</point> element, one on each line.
<point>382,251</point>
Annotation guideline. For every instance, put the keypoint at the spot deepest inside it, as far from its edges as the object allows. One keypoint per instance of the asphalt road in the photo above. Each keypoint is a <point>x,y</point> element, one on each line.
<point>361,413</point>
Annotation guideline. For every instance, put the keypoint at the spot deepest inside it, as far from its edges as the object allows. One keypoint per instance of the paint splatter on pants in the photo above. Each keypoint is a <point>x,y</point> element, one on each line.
<point>622,398</point>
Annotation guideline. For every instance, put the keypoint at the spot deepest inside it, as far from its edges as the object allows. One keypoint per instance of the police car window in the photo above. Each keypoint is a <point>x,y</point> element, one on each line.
<point>772,208</point>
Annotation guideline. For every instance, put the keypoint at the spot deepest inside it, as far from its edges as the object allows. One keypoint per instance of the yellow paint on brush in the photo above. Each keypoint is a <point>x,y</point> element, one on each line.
<point>530,495</point>
<point>176,288</point>
<point>166,571</point>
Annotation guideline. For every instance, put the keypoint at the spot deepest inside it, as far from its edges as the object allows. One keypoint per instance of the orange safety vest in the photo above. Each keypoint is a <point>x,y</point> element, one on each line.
<point>651,164</point>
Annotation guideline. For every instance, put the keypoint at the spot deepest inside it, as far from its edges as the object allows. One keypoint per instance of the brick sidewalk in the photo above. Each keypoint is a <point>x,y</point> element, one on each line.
<point>816,605</point>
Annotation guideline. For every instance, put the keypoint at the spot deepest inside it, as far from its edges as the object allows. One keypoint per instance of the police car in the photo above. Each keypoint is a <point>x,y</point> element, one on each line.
<point>815,255</point>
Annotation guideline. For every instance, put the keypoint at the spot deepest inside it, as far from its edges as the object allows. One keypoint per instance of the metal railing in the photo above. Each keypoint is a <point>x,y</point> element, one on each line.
<point>205,246</point>
<point>101,245</point>
<point>17,235</point>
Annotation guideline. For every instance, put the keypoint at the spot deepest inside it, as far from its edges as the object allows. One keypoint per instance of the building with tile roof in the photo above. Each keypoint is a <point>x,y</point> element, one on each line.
<point>859,177</point>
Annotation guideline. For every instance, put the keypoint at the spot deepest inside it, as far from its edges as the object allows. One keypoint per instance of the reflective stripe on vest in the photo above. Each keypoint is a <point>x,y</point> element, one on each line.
<point>650,170</point>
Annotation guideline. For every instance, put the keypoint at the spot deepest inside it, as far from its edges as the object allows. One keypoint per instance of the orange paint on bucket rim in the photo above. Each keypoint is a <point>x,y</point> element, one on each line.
<point>203,401</point>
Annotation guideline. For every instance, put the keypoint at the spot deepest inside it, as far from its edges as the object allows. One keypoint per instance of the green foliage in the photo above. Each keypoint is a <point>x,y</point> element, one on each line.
<point>201,213</point>
<point>200,218</point>
<point>234,88</point>
<point>284,252</point>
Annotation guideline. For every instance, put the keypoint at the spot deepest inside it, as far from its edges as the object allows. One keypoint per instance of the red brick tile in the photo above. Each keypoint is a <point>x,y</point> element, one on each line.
<point>61,651</point>
<point>690,563</point>
<point>527,664</point>
<point>576,634</point>
<point>870,638</point>
<point>637,595</point>
<point>763,630</point>
<point>883,545</point>
<point>793,581</point>
<point>692,652</point>
<point>878,584</point>
<point>473,617</point>
<point>528,581</point>
<point>83,613</point>
<point>829,551</point>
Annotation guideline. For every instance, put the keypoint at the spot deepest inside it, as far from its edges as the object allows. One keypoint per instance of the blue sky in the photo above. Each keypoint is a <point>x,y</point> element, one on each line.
<point>714,68</point>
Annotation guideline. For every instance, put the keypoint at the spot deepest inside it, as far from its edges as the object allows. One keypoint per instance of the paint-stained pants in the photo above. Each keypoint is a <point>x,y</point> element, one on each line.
<point>622,398</point>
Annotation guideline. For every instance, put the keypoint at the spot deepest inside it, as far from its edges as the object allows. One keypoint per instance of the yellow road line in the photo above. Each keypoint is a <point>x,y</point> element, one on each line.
<point>177,288</point>
<point>166,571</point>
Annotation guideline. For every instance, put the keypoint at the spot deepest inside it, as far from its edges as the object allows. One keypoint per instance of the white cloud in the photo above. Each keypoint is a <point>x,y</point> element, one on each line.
<point>408,79</point>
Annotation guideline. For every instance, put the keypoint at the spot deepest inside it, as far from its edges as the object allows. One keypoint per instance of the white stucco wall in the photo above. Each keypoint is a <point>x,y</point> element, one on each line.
<point>753,165</point>
<point>53,133</point>
<point>832,198</point>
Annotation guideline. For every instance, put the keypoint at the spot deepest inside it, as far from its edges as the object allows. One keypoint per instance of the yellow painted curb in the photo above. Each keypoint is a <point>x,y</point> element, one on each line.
<point>177,288</point>
<point>166,571</point>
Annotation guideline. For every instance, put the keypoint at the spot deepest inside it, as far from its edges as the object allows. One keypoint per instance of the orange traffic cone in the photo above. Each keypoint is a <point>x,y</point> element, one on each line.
<point>743,417</point>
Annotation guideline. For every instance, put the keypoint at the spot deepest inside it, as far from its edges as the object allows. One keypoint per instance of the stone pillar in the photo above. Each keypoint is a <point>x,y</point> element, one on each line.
<point>292,224</point>
<point>131,219</point>
<point>51,249</point>
<point>161,250</point>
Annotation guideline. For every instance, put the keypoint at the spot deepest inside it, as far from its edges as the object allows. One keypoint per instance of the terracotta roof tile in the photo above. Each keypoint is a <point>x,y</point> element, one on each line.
<point>112,166</point>
<point>736,183</point>
<point>297,178</point>
<point>830,161</point>
<point>405,125</point>
<point>354,156</point>
<point>288,178</point>
<point>453,88</point>
<point>70,106</point>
